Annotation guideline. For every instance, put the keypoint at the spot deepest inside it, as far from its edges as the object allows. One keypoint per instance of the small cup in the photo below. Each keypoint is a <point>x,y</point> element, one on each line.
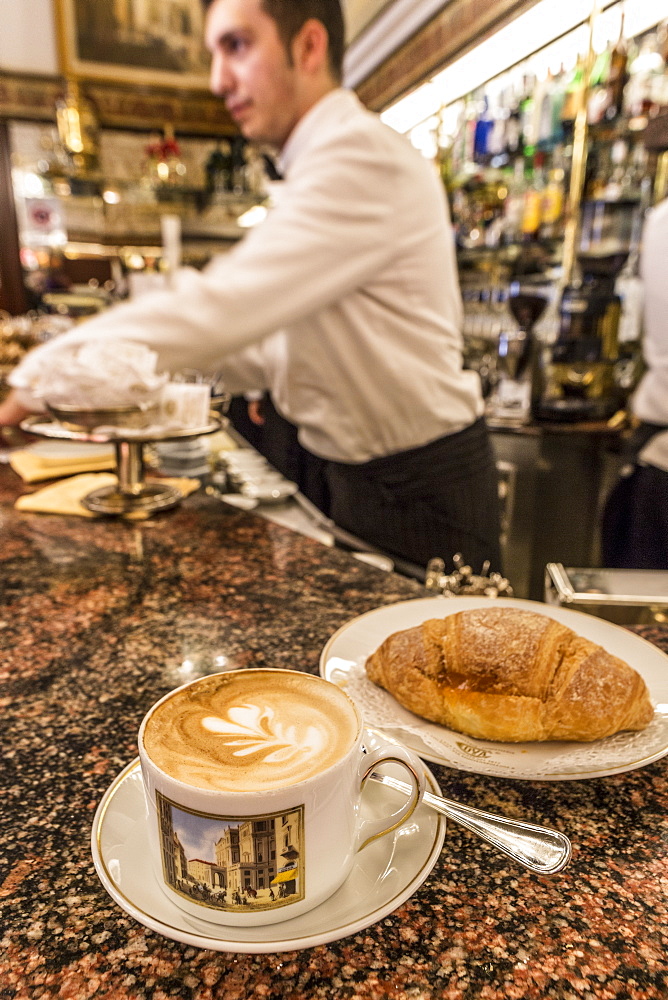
<point>184,405</point>
<point>254,782</point>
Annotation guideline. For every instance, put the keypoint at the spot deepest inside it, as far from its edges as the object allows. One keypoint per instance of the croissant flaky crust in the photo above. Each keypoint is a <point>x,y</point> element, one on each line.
<point>507,674</point>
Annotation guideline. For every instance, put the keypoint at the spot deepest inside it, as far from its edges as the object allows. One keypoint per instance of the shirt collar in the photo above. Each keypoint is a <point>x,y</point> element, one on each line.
<point>334,105</point>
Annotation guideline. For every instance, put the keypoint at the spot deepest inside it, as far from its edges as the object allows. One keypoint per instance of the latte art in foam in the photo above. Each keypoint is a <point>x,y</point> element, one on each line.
<point>251,730</point>
<point>263,733</point>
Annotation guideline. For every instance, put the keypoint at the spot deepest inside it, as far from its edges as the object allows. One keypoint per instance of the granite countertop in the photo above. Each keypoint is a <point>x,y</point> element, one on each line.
<point>99,618</point>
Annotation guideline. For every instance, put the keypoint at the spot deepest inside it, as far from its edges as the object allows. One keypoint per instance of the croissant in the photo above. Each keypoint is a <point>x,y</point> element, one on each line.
<point>513,675</point>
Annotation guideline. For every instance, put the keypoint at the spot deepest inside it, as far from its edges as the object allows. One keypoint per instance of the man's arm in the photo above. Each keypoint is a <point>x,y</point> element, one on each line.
<point>330,233</point>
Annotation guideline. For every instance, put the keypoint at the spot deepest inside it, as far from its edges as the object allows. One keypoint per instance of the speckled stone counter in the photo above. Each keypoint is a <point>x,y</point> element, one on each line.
<point>100,618</point>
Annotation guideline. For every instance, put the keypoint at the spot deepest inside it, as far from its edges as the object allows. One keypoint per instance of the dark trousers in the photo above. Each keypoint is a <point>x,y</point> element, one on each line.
<point>437,500</point>
<point>634,529</point>
<point>434,501</point>
<point>635,521</point>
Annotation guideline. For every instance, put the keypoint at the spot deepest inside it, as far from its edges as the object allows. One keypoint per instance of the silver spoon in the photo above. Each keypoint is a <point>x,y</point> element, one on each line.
<point>536,847</point>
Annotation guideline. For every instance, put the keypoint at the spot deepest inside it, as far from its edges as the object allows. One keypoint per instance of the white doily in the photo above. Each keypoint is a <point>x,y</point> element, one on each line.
<point>546,761</point>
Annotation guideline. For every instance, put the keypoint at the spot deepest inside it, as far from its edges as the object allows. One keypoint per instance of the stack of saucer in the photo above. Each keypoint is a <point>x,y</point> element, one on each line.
<point>251,475</point>
<point>183,457</point>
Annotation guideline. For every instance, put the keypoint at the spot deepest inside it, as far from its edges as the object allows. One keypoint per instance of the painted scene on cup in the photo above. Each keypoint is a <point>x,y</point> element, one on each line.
<point>236,864</point>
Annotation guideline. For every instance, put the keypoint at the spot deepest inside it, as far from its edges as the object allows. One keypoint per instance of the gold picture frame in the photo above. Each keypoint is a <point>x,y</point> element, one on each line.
<point>153,43</point>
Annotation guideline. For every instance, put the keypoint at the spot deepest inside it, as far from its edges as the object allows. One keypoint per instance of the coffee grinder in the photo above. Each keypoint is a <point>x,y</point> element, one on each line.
<point>578,370</point>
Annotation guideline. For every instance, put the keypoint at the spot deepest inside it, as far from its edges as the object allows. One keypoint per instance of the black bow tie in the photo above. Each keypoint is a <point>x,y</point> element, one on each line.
<point>272,171</point>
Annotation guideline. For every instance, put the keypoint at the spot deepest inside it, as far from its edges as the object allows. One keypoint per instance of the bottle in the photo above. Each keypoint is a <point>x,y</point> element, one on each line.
<point>513,208</point>
<point>513,126</point>
<point>255,178</point>
<point>469,132</point>
<point>659,87</point>
<point>78,129</point>
<point>629,288</point>
<point>496,143</point>
<point>637,176</point>
<point>163,165</point>
<point>549,125</point>
<point>558,98</point>
<point>533,200</point>
<point>174,170</point>
<point>570,105</point>
<point>617,76</point>
<point>597,95</point>
<point>458,147</point>
<point>483,128</point>
<point>614,189</point>
<point>527,116</point>
<point>646,72</point>
<point>552,209</point>
<point>218,169</point>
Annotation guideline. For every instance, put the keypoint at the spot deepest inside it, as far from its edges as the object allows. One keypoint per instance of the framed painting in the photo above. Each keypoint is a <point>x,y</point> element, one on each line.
<point>157,43</point>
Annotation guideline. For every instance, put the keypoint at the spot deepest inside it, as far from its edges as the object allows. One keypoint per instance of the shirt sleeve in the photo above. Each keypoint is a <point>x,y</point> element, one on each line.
<point>329,233</point>
<point>650,400</point>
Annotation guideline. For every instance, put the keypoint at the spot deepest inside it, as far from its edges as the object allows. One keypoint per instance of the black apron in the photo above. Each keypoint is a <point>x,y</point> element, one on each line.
<point>634,527</point>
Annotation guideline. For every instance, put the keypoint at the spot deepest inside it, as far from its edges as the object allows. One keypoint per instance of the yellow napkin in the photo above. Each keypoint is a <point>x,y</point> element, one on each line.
<point>65,497</point>
<point>32,466</point>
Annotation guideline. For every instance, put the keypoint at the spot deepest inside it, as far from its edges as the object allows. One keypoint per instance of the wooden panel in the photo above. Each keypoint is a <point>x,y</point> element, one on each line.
<point>34,97</point>
<point>12,289</point>
<point>458,28</point>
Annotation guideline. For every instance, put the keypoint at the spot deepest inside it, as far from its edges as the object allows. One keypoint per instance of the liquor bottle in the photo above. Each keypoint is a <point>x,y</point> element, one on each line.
<point>163,166</point>
<point>617,76</point>
<point>513,209</point>
<point>614,188</point>
<point>646,78</point>
<point>513,126</point>
<point>483,128</point>
<point>496,143</point>
<point>174,168</point>
<point>569,108</point>
<point>597,95</point>
<point>255,177</point>
<point>552,208</point>
<point>629,288</point>
<point>527,120</point>
<point>458,147</point>
<point>78,130</point>
<point>548,128</point>
<point>218,169</point>
<point>533,200</point>
<point>469,131</point>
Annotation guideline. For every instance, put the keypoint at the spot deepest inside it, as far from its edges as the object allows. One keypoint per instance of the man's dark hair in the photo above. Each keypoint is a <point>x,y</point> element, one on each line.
<point>291,15</point>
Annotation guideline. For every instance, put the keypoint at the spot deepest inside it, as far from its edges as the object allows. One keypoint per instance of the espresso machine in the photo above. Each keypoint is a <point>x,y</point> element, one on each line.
<point>578,370</point>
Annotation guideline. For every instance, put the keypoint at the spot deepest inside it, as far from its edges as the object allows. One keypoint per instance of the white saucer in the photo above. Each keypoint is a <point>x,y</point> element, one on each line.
<point>386,873</point>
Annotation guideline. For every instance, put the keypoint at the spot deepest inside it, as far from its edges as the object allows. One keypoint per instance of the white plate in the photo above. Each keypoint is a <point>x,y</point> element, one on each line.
<point>343,658</point>
<point>386,873</point>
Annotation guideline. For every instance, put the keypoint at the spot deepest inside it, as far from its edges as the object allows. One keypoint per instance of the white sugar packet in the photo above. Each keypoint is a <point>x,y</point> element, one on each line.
<point>185,405</point>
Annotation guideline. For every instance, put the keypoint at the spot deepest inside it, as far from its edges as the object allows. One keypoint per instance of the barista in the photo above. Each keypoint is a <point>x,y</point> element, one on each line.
<point>635,519</point>
<point>344,303</point>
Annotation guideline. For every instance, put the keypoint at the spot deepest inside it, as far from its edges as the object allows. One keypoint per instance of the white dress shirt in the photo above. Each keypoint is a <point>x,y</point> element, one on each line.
<point>344,302</point>
<point>650,400</point>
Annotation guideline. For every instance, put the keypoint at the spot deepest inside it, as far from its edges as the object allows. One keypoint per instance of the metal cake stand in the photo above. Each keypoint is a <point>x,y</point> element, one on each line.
<point>133,492</point>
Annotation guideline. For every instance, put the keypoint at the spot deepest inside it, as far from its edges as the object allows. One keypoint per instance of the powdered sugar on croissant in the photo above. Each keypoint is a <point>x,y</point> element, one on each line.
<point>513,675</point>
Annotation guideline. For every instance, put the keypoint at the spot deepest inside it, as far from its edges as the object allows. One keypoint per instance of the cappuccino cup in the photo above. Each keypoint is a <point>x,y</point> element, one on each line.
<point>254,784</point>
